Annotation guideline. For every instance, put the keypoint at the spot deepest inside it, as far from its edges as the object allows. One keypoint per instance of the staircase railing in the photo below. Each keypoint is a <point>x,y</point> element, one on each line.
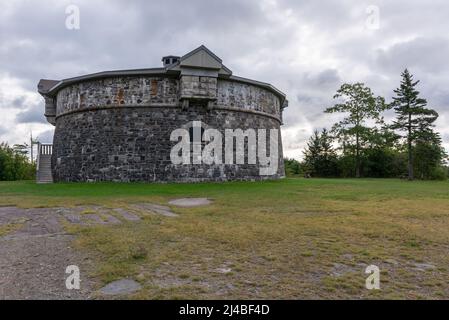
<point>42,149</point>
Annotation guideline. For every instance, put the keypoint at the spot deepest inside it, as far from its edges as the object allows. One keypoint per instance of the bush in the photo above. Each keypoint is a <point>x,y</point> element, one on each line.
<point>438,173</point>
<point>292,167</point>
<point>15,165</point>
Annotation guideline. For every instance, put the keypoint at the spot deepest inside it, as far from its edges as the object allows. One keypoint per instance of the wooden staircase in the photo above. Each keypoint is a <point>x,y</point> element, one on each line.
<point>43,174</point>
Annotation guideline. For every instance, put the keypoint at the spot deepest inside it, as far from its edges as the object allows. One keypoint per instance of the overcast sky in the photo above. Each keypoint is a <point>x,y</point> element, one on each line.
<point>307,49</point>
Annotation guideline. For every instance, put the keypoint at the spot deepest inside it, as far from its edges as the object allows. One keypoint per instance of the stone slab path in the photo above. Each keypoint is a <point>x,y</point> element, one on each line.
<point>154,209</point>
<point>35,250</point>
<point>34,258</point>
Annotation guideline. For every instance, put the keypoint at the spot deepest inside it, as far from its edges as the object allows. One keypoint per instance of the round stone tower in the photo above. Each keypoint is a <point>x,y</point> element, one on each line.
<point>189,121</point>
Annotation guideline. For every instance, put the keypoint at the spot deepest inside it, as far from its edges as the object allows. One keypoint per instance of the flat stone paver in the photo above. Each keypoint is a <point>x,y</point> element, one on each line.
<point>154,208</point>
<point>33,258</point>
<point>424,266</point>
<point>126,214</point>
<point>121,287</point>
<point>37,251</point>
<point>93,218</point>
<point>190,202</point>
<point>73,218</point>
<point>110,219</point>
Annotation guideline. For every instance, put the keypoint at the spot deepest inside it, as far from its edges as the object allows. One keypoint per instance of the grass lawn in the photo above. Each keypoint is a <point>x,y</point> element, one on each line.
<point>294,238</point>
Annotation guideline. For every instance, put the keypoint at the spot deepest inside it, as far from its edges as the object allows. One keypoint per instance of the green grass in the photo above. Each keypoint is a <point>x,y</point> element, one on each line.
<point>294,238</point>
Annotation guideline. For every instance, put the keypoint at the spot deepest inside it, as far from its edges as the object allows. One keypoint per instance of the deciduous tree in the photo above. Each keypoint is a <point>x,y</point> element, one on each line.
<point>359,105</point>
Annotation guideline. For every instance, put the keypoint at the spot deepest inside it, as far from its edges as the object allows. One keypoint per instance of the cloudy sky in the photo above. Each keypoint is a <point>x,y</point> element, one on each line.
<point>307,49</point>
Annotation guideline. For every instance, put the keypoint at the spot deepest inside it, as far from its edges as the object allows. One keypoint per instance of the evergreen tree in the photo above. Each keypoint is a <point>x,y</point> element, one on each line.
<point>328,158</point>
<point>412,116</point>
<point>428,154</point>
<point>320,157</point>
<point>312,153</point>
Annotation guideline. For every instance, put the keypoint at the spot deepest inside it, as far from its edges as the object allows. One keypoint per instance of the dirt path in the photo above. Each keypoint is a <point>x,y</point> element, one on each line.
<point>35,250</point>
<point>34,254</point>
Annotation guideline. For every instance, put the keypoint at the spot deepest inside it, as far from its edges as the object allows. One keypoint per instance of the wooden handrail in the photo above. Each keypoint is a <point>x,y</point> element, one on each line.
<point>43,149</point>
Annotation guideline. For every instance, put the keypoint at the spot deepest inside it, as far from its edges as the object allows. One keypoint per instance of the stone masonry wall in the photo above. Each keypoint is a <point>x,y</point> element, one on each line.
<point>198,87</point>
<point>118,129</point>
<point>162,91</point>
<point>118,92</point>
<point>249,97</point>
<point>133,144</point>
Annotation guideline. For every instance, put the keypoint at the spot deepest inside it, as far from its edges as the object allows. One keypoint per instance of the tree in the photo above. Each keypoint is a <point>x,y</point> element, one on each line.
<point>292,167</point>
<point>412,116</point>
<point>319,157</point>
<point>428,155</point>
<point>328,158</point>
<point>312,153</point>
<point>360,105</point>
<point>14,164</point>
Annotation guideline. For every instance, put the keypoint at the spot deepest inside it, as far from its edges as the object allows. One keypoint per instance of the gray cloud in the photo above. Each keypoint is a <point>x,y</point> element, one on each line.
<point>32,115</point>
<point>19,102</point>
<point>305,48</point>
<point>46,136</point>
<point>426,55</point>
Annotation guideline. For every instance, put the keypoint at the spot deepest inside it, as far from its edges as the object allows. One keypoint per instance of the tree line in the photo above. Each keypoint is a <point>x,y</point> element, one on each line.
<point>15,164</point>
<point>362,144</point>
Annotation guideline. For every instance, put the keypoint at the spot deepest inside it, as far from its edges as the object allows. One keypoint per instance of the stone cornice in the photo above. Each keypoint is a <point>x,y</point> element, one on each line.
<point>174,106</point>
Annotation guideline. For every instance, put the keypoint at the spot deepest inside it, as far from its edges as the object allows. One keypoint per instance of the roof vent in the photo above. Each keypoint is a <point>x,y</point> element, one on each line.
<point>169,60</point>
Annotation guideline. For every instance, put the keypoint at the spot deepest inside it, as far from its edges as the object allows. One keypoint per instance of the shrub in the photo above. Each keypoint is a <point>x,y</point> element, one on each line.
<point>15,165</point>
<point>438,173</point>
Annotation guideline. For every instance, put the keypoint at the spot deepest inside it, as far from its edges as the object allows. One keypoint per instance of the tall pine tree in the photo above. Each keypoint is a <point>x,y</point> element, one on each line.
<point>412,116</point>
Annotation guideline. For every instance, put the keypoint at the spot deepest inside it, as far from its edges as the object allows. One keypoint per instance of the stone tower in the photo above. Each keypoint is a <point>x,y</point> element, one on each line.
<point>118,125</point>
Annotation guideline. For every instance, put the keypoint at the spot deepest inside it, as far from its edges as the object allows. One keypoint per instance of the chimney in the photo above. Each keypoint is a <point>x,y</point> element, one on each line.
<point>169,60</point>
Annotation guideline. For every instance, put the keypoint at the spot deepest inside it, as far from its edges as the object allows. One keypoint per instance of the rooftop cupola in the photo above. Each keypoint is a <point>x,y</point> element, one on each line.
<point>169,60</point>
<point>199,71</point>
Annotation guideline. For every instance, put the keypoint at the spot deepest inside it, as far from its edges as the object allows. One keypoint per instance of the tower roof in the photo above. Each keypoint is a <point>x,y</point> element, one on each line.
<point>200,58</point>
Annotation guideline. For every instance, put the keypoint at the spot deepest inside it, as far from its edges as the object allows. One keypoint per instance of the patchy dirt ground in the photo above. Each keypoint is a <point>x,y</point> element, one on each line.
<point>34,254</point>
<point>35,249</point>
<point>296,238</point>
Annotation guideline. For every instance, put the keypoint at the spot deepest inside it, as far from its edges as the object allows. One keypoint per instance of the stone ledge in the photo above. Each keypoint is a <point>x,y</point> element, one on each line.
<point>174,106</point>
